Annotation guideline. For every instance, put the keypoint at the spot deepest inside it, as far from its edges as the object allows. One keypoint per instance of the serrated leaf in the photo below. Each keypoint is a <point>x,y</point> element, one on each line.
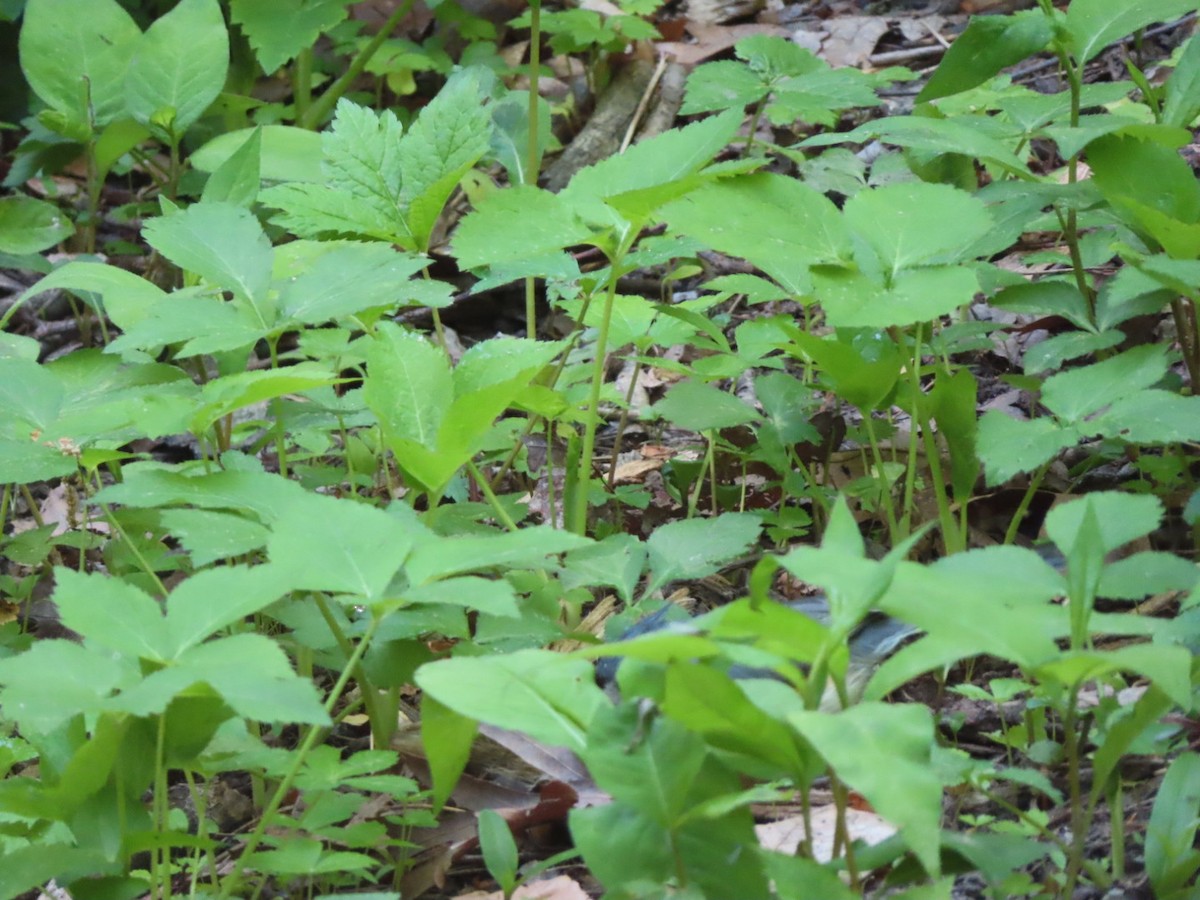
<point>777,223</point>
<point>320,543</point>
<point>362,157</point>
<point>721,85</point>
<point>408,385</point>
<point>74,54</point>
<point>702,407</point>
<point>1008,446</point>
<point>522,222</point>
<point>179,64</point>
<point>345,279</point>
<point>913,223</point>
<point>222,243</point>
<point>280,29</point>
<point>111,613</point>
<point>1074,394</point>
<point>288,153</point>
<point>314,210</point>
<point>450,135</point>
<point>1149,417</point>
<point>56,680</point>
<point>694,548</point>
<point>213,599</point>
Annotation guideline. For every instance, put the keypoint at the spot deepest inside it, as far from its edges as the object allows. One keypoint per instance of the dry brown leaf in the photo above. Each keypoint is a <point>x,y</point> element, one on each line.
<point>785,835</point>
<point>852,40</point>
<point>561,887</point>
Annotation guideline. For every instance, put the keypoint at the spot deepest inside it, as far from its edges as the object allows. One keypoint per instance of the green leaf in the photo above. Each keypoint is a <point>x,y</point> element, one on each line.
<point>1094,24</point>
<point>288,153</point>
<point>1149,417</point>
<point>222,243</point>
<point>325,544</point>
<point>777,223</point>
<point>1121,517</point>
<point>233,392</point>
<point>447,738</point>
<point>179,65</point>
<point>499,848</point>
<point>211,600</point>
<point>966,135</point>
<point>853,300</point>
<point>988,45</point>
<point>198,321</point>
<point>527,548</point>
<point>408,386</point>
<point>1182,102</point>
<point>883,751</point>
<point>450,135</point>
<point>1008,446</point>
<point>913,223</point>
<point>31,398</point>
<point>209,536</point>
<point>1167,666</point>
<point>1074,394</point>
<point>1171,857</point>
<point>510,134</point>
<point>694,548</point>
<point>280,29</point>
<point>314,210</point>
<point>236,180</point>
<point>30,226</point>
<point>112,613</point>
<point>703,407</point>
<point>1143,574</point>
<point>75,54</point>
<point>863,376</point>
<point>522,222</point>
<point>56,680</point>
<point>127,297</point>
<point>549,696</point>
<point>722,85</point>
<point>346,278</point>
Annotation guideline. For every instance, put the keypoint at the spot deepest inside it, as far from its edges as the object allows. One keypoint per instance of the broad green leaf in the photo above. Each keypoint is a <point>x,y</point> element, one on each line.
<point>23,462</point>
<point>347,278</point>
<point>722,85</point>
<point>148,485</point>
<point>966,135</point>
<point>237,179</point>
<point>651,163</point>
<point>702,407</point>
<point>117,139</point>
<point>1167,666</point>
<point>1074,394</point>
<point>953,401</point>
<point>851,299</point>
<point>617,561</point>
<point>179,65</point>
<point>450,135</point>
<point>1008,446</point>
<point>863,376</point>
<point>112,613</point>
<point>494,597</point>
<point>510,134</point>
<point>988,45</point>
<point>128,298</point>
<point>1148,172</point>
<point>1046,297</point>
<point>233,392</point>
<point>1094,24</point>
<point>288,153</point>
<point>777,223</point>
<point>325,544</point>
<point>500,359</point>
<point>1182,102</point>
<point>56,680</point>
<point>655,775</point>
<point>620,844</point>
<point>280,29</point>
<point>1122,518</point>
<point>209,536</point>
<point>527,548</point>
<point>30,226</point>
<point>222,243</point>
<point>1142,574</point>
<point>498,847</point>
<point>1149,417</point>
<point>522,222</point>
<point>31,398</point>
<point>549,696</point>
<point>197,320</point>
<point>408,386</point>
<point>883,751</point>
<point>252,674</point>
<point>1051,353</point>
<point>211,600</point>
<point>75,53</point>
<point>912,223</point>
<point>694,548</point>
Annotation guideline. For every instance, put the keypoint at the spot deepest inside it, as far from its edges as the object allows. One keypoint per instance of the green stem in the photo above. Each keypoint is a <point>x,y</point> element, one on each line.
<point>324,104</point>
<point>302,83</point>
<point>493,501</point>
<point>579,513</point>
<point>298,759</point>
<point>889,508</point>
<point>1023,507</point>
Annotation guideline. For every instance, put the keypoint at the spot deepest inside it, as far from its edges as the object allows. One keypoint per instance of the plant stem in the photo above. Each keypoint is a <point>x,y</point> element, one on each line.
<point>532,157</point>
<point>324,104</point>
